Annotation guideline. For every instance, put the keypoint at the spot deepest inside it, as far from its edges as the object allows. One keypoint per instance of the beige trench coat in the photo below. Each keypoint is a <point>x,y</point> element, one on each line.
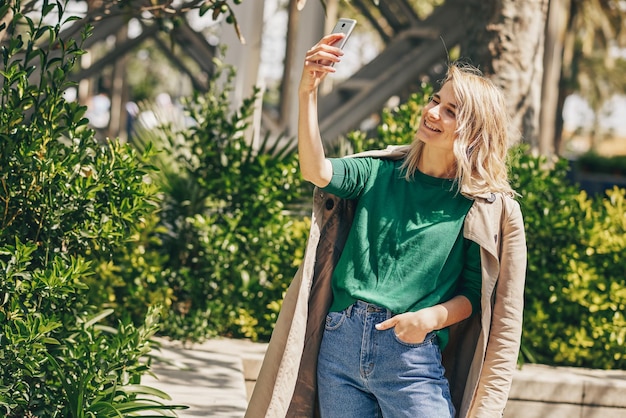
<point>482,352</point>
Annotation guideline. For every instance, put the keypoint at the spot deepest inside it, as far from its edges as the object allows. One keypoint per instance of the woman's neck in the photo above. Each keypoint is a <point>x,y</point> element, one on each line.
<point>437,163</point>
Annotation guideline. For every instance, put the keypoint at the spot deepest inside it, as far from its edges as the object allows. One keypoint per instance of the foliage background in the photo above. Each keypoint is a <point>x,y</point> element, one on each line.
<point>228,237</point>
<point>66,202</point>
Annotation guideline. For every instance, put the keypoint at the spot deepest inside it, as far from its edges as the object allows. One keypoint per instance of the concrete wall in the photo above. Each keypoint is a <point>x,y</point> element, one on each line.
<point>554,392</point>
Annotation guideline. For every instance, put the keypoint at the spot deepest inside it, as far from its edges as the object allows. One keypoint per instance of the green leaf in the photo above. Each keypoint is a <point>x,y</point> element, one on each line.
<point>47,8</point>
<point>98,317</point>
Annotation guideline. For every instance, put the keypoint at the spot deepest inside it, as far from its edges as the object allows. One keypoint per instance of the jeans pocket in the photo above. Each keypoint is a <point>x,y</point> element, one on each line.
<point>334,320</point>
<point>429,339</point>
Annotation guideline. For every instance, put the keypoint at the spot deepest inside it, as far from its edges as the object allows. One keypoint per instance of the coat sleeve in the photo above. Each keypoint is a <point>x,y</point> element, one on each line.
<point>506,323</point>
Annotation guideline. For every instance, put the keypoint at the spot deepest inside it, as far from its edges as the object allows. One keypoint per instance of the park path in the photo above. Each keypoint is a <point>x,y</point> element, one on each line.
<point>210,377</point>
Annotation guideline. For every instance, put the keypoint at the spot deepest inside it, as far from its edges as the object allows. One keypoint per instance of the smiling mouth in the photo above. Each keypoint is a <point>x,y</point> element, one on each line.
<point>431,127</point>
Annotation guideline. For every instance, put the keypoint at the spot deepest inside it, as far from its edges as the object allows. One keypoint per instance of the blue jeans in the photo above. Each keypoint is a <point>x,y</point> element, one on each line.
<point>366,373</point>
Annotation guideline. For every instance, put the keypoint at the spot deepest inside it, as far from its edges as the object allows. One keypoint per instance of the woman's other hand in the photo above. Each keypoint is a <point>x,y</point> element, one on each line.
<point>411,327</point>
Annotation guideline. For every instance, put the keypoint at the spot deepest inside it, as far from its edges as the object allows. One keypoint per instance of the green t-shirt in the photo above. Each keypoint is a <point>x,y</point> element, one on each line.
<point>405,250</point>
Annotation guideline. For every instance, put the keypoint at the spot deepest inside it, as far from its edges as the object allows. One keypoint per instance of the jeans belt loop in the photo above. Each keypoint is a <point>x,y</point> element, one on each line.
<point>349,310</point>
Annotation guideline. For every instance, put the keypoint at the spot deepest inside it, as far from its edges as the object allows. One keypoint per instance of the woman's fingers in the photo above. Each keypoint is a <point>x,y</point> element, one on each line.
<point>324,55</point>
<point>323,52</point>
<point>389,323</point>
<point>407,326</point>
<point>332,38</point>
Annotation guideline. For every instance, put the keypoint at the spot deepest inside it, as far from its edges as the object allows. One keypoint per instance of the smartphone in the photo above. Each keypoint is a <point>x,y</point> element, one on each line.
<point>344,26</point>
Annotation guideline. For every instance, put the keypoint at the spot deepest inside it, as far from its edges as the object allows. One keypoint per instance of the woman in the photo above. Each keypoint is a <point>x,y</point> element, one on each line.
<point>414,251</point>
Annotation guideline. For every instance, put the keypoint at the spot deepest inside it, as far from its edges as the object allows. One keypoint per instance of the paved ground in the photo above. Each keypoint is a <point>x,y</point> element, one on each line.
<point>208,377</point>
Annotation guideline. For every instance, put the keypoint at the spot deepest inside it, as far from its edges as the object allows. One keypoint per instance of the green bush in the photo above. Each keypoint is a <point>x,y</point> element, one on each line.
<point>551,215</point>
<point>596,287</point>
<point>575,289</point>
<point>227,240</point>
<point>66,203</point>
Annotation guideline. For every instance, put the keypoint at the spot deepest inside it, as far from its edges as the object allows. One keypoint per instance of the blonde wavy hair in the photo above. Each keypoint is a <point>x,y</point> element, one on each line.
<point>482,142</point>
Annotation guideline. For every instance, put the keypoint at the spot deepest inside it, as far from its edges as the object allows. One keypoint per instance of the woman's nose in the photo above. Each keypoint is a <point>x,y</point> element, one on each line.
<point>433,112</point>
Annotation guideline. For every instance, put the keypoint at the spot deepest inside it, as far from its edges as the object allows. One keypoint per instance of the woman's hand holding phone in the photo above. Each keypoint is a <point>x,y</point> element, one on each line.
<point>320,59</point>
<point>318,63</point>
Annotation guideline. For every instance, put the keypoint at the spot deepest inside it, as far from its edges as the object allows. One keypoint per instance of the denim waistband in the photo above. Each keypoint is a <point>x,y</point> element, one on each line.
<point>363,307</point>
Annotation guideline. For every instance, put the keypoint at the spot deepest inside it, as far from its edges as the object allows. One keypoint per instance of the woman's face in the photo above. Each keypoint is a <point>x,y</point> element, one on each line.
<point>438,125</point>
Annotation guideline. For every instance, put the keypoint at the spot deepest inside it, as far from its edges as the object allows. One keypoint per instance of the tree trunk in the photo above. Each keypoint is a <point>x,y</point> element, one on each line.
<point>290,54</point>
<point>119,93</point>
<point>551,123</point>
<point>505,38</point>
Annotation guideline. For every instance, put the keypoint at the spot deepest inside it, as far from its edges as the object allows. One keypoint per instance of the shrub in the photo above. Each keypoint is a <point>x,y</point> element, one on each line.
<point>66,203</point>
<point>226,236</point>
<point>551,213</point>
<point>575,288</point>
<point>596,287</point>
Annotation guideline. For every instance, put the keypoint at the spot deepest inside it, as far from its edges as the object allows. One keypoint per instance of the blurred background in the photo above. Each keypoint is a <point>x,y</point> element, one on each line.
<point>570,90</point>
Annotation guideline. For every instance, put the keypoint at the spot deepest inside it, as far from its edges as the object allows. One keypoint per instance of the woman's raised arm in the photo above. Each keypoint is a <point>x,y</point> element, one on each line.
<point>318,63</point>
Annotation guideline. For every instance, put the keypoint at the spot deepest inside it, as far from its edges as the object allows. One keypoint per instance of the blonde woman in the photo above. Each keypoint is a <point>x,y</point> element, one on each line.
<point>409,301</point>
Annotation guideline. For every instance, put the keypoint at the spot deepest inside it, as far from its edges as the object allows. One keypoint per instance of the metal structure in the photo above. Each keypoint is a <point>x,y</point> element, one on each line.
<point>415,50</point>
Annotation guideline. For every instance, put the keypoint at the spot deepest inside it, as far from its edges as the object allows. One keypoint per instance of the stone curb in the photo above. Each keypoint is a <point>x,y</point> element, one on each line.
<point>540,391</point>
